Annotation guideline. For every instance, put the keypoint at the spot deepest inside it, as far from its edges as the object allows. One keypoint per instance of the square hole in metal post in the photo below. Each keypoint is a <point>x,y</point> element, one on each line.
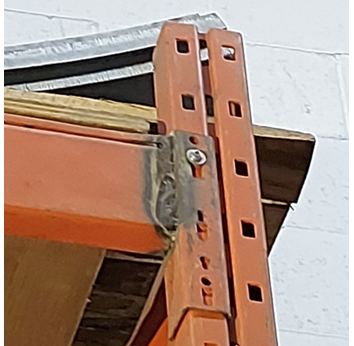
<point>241,168</point>
<point>228,53</point>
<point>188,102</point>
<point>182,46</point>
<point>235,109</point>
<point>207,291</point>
<point>205,261</point>
<point>255,293</point>
<point>248,230</point>
<point>202,231</point>
<point>200,216</point>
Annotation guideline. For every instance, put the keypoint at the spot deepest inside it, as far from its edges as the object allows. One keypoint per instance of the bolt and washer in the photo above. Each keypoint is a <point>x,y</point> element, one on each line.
<point>196,157</point>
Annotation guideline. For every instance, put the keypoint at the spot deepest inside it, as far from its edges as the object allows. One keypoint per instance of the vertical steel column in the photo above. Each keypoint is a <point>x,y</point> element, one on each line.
<point>181,104</point>
<point>178,80</point>
<point>254,320</point>
<point>196,275</point>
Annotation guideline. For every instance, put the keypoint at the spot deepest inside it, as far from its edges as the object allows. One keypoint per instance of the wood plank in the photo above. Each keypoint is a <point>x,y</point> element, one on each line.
<point>274,215</point>
<point>46,289</point>
<point>116,302</point>
<point>78,110</point>
<point>283,162</point>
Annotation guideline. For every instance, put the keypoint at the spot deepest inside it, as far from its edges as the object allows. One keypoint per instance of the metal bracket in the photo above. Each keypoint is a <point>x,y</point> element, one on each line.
<point>194,270</point>
<point>196,274</point>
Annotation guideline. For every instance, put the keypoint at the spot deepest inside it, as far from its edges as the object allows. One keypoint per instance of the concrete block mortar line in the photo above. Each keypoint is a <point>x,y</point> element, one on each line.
<point>297,49</point>
<point>335,336</point>
<point>345,102</point>
<point>51,16</point>
<point>312,229</point>
<point>341,139</point>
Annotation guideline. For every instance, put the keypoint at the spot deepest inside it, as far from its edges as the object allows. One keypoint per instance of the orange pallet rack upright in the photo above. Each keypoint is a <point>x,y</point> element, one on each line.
<point>186,92</point>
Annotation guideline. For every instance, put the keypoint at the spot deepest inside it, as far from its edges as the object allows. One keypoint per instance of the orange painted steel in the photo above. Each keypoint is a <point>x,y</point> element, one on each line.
<point>80,189</point>
<point>178,80</point>
<point>196,274</point>
<point>254,320</point>
<point>198,264</point>
<point>196,330</point>
<point>199,329</point>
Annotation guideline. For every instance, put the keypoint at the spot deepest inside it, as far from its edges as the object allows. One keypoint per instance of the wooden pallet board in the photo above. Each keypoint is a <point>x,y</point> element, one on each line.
<point>47,285</point>
<point>116,302</point>
<point>77,110</point>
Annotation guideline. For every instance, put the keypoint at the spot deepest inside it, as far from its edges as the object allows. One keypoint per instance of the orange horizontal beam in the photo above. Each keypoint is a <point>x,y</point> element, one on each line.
<point>73,228</point>
<point>84,189</point>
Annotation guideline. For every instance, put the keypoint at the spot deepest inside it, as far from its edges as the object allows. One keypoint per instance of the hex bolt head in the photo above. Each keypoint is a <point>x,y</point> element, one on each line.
<point>196,157</point>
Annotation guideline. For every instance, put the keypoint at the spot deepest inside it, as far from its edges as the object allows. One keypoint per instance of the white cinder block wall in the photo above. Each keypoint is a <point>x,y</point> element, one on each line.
<point>297,60</point>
